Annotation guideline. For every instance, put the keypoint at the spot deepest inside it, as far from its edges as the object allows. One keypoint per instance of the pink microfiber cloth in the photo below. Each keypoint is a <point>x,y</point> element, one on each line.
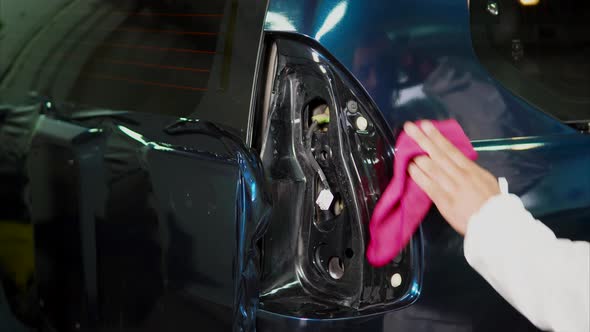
<point>403,205</point>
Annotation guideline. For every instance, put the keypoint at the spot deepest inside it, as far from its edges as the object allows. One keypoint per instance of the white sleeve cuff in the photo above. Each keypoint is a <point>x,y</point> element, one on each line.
<point>494,220</point>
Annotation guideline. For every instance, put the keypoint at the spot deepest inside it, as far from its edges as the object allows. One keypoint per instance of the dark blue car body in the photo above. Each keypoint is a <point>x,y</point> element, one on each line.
<point>544,161</point>
<point>155,221</point>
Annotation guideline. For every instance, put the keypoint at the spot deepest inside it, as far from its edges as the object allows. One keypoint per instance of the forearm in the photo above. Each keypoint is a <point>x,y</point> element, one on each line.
<point>545,278</point>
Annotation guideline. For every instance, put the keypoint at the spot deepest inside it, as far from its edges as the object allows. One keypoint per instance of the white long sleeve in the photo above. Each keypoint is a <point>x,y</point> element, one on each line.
<point>545,278</point>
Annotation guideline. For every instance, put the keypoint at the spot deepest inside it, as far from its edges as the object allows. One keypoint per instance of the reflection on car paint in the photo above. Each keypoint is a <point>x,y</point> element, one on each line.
<point>426,44</point>
<point>416,61</point>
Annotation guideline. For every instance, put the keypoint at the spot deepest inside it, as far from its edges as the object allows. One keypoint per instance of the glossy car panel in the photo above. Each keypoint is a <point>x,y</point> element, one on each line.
<point>137,247</point>
<point>416,60</point>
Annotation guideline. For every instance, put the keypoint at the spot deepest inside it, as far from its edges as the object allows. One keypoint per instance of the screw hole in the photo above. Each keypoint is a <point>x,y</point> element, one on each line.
<point>349,253</point>
<point>336,268</point>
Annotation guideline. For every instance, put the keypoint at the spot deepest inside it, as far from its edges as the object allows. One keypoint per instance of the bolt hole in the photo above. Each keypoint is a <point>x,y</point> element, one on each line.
<point>324,155</point>
<point>336,268</point>
<point>349,253</point>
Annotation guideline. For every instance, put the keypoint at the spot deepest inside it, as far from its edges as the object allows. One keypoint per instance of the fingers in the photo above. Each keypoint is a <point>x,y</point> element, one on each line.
<point>434,151</point>
<point>436,193</point>
<point>444,145</point>
<point>433,171</point>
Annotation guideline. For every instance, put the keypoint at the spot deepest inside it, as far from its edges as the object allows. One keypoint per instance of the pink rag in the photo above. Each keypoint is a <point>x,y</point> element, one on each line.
<point>403,205</point>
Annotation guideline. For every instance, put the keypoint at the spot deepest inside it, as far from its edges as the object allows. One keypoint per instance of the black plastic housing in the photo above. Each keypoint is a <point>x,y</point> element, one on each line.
<point>302,240</point>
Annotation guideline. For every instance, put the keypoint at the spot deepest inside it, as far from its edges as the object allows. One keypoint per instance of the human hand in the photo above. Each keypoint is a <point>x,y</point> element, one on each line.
<point>456,185</point>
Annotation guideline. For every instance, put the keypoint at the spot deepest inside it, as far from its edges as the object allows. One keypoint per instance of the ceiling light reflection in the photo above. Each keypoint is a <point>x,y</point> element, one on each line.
<point>333,18</point>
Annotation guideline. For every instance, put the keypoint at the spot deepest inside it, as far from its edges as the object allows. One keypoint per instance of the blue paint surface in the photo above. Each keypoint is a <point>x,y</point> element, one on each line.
<point>416,60</point>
